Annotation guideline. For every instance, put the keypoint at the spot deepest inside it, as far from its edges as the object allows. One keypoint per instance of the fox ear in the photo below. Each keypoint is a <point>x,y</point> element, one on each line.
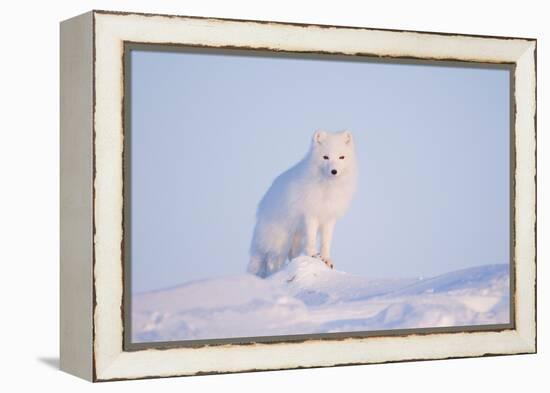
<point>348,137</point>
<point>319,136</point>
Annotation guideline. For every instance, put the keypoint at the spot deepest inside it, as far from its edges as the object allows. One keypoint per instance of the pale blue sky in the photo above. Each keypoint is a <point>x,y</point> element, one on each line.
<point>210,133</point>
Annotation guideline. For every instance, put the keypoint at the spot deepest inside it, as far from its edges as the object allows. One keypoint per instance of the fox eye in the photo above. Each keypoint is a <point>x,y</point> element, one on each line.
<point>341,157</point>
<point>325,157</point>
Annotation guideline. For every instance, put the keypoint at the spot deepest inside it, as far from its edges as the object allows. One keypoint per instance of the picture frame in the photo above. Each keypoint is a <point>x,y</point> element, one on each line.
<point>94,266</point>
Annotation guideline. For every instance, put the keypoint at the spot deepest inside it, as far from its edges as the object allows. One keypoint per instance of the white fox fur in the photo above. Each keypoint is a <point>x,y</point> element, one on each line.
<point>304,203</point>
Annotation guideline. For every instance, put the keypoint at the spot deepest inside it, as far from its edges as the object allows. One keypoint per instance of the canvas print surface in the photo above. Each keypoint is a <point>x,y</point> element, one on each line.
<point>275,195</point>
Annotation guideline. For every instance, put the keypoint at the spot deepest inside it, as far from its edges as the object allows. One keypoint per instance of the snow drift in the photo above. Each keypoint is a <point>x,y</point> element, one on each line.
<point>307,297</point>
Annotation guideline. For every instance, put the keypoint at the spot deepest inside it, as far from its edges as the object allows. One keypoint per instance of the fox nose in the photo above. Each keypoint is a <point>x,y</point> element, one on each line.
<point>334,171</point>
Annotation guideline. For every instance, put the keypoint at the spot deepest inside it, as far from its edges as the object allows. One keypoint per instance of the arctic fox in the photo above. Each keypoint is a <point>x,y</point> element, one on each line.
<point>303,203</point>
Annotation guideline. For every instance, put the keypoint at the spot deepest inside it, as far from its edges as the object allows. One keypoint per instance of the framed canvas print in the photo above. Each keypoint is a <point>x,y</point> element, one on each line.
<point>246,195</point>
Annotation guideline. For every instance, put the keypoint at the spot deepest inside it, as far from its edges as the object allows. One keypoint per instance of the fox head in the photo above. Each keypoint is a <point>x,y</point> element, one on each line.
<point>333,153</point>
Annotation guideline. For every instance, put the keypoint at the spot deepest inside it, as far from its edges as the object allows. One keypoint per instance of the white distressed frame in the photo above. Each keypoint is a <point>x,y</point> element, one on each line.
<point>111,30</point>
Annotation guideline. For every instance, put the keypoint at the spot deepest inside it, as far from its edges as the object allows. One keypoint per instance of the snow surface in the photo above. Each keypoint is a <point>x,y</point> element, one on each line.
<point>307,297</point>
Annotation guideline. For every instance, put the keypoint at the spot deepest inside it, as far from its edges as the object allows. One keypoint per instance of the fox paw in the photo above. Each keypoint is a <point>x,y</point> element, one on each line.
<point>326,260</point>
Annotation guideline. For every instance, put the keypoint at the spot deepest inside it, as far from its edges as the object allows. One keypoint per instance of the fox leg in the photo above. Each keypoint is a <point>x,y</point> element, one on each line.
<point>257,265</point>
<point>311,226</point>
<point>264,265</point>
<point>274,262</point>
<point>296,246</point>
<point>327,229</point>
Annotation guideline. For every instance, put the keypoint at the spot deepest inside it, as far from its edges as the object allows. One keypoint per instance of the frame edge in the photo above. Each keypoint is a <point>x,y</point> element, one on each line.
<point>76,196</point>
<point>524,341</point>
<point>304,24</point>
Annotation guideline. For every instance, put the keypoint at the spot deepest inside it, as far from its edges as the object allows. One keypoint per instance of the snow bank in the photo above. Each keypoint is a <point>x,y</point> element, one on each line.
<point>307,297</point>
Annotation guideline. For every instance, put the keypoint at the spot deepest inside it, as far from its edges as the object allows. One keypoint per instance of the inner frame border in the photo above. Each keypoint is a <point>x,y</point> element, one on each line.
<point>129,46</point>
